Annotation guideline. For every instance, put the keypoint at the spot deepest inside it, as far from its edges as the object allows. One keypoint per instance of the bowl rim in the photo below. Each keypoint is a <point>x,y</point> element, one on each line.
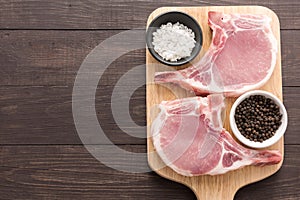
<point>279,132</point>
<point>185,60</point>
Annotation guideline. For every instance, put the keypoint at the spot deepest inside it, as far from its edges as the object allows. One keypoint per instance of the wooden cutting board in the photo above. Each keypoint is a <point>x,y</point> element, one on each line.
<point>208,187</point>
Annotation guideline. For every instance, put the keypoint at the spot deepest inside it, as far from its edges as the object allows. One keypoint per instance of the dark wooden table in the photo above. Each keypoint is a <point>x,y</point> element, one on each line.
<point>42,45</point>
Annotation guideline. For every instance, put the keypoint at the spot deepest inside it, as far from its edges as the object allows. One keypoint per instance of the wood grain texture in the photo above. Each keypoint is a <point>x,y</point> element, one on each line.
<point>38,67</point>
<point>42,58</point>
<point>43,115</point>
<point>70,172</point>
<point>54,57</point>
<point>115,14</point>
<point>206,186</point>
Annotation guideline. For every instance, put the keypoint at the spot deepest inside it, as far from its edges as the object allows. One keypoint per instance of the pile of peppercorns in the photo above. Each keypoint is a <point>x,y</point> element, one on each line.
<point>257,118</point>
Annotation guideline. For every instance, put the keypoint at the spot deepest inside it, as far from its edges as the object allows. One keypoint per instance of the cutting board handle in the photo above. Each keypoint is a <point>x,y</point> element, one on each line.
<point>206,187</point>
<point>215,194</point>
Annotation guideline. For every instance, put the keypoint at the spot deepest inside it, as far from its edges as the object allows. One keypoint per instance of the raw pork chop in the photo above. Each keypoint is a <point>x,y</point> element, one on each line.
<point>241,57</point>
<point>188,136</point>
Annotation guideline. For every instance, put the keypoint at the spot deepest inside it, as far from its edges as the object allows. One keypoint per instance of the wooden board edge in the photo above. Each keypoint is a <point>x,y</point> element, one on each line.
<point>149,140</point>
<point>158,10</point>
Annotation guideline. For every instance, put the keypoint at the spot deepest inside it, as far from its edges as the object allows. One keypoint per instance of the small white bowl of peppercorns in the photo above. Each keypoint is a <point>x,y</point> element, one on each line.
<point>258,119</point>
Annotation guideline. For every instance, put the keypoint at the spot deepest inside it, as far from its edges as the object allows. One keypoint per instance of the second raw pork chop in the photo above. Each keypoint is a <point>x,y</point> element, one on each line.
<point>241,57</point>
<point>189,137</point>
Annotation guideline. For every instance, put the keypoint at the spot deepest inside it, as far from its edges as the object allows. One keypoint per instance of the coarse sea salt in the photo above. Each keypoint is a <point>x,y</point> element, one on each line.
<point>174,41</point>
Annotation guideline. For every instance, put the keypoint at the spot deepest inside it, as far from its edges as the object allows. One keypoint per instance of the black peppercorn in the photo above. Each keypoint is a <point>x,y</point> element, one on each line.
<point>257,118</point>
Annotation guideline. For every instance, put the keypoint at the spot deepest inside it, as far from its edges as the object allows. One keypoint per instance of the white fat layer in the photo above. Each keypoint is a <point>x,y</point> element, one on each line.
<point>267,24</point>
<point>215,88</point>
<point>220,169</point>
<point>158,123</point>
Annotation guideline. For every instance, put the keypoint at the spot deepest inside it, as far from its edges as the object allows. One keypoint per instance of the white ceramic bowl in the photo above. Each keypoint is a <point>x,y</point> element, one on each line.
<point>278,134</point>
